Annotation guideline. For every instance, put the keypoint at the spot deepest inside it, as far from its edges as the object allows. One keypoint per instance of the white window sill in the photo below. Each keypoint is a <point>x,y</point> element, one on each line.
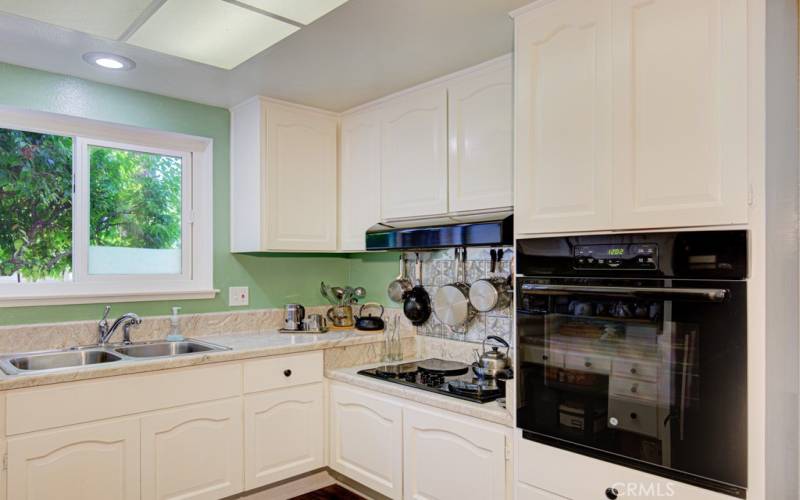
<point>106,297</point>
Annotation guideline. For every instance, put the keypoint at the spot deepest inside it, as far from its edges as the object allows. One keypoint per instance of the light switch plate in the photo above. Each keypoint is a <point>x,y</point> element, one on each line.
<point>238,296</point>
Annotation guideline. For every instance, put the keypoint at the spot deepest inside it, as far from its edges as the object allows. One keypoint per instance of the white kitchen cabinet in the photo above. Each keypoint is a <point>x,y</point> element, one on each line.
<point>414,154</point>
<point>439,449</point>
<point>480,136</point>
<point>547,473</point>
<point>283,178</point>
<point>680,112</point>
<point>675,75</point>
<point>92,461</point>
<point>366,436</point>
<point>563,117</point>
<point>194,452</point>
<point>283,434</point>
<point>359,195</point>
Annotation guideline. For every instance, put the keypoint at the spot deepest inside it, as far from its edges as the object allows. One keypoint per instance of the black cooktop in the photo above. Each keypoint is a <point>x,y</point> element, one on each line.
<point>451,378</point>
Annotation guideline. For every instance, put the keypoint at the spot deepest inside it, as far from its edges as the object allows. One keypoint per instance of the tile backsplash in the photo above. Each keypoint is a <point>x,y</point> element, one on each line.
<point>440,268</point>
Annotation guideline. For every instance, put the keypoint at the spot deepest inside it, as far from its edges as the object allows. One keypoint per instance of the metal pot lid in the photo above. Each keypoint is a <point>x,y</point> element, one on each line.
<point>451,305</point>
<point>483,295</point>
<point>435,365</point>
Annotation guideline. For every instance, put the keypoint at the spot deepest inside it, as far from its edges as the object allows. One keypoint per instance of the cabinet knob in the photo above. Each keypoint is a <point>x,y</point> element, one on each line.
<point>612,493</point>
<point>545,357</point>
<point>287,373</point>
<point>634,416</point>
<point>588,364</point>
<point>634,388</point>
<point>633,371</point>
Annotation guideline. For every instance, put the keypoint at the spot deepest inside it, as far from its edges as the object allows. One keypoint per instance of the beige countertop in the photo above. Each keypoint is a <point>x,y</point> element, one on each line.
<point>491,411</point>
<point>242,346</point>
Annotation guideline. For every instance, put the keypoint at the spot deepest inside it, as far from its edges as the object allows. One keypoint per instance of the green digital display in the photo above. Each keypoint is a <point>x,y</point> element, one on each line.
<point>616,251</point>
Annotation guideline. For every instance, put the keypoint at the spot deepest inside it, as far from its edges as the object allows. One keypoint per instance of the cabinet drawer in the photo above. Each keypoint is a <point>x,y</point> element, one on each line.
<point>541,355</point>
<point>633,388</point>
<point>282,371</point>
<point>591,363</point>
<point>550,472</point>
<point>633,417</point>
<point>633,368</point>
<point>32,409</point>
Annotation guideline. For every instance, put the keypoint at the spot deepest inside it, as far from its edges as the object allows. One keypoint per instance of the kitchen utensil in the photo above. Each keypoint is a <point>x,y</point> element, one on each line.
<point>493,362</point>
<point>338,292</point>
<point>293,315</point>
<point>482,372</point>
<point>451,303</point>
<point>492,292</point>
<point>325,290</point>
<point>401,285</point>
<point>417,303</point>
<point>315,323</point>
<point>340,316</point>
<point>359,293</point>
<point>348,295</point>
<point>370,323</point>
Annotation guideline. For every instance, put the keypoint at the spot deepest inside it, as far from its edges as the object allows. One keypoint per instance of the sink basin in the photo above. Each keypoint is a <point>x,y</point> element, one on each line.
<point>61,359</point>
<point>158,349</point>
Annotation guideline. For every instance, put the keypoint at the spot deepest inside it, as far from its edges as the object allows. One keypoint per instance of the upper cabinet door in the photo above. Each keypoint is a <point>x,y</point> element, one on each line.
<point>480,139</point>
<point>360,178</point>
<point>680,106</point>
<point>563,117</point>
<point>414,155</point>
<point>301,178</point>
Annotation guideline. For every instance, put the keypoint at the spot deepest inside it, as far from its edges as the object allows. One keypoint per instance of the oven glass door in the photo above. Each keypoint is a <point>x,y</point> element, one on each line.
<point>648,373</point>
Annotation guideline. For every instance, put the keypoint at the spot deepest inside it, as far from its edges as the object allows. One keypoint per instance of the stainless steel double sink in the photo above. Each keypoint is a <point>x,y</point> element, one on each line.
<point>76,357</point>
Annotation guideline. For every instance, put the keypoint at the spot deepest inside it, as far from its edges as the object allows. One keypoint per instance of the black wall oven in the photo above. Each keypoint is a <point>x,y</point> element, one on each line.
<point>633,349</point>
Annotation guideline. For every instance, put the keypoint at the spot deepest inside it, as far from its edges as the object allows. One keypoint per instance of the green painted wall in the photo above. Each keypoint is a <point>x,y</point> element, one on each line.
<point>274,279</point>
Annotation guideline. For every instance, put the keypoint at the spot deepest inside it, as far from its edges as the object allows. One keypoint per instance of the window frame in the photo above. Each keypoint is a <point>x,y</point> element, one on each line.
<point>196,278</point>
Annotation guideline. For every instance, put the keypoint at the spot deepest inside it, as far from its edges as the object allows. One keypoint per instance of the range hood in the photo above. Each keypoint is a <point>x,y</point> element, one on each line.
<point>495,229</point>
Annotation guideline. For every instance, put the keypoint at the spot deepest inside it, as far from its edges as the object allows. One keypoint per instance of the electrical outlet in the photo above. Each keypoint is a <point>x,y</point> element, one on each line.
<point>238,296</point>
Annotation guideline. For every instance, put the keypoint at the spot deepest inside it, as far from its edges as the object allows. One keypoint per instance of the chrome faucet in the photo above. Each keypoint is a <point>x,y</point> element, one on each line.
<point>125,321</point>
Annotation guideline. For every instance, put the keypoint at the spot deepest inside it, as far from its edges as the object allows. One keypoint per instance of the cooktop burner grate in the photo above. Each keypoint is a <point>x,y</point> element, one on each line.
<point>450,378</point>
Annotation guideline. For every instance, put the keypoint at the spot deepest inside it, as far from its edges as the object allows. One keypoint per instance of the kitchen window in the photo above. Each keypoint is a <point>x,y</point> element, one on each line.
<point>94,212</point>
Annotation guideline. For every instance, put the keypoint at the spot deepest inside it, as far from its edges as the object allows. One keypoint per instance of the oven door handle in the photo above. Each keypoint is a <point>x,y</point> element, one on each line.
<point>707,294</point>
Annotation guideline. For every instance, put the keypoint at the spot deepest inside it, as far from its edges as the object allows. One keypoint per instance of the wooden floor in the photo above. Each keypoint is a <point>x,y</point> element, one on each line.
<point>333,492</point>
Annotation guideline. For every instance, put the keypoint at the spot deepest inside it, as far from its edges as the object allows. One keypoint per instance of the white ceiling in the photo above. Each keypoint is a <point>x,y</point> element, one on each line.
<point>363,50</point>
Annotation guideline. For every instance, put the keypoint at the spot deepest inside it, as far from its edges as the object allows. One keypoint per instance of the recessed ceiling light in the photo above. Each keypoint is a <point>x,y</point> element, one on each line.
<point>109,61</point>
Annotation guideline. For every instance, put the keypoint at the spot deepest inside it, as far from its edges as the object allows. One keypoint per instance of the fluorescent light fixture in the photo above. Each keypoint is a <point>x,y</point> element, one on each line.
<point>302,11</point>
<point>104,18</point>
<point>109,61</point>
<point>210,31</point>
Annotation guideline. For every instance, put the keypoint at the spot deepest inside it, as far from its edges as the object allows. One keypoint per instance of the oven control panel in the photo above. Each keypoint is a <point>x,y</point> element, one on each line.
<point>639,256</point>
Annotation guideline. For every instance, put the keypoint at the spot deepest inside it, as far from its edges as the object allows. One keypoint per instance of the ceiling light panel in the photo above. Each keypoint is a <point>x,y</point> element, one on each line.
<point>302,11</point>
<point>209,31</point>
<point>104,18</point>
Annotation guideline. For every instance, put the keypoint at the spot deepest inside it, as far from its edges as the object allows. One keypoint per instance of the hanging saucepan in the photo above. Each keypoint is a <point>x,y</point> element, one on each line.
<point>417,303</point>
<point>370,323</point>
<point>492,292</point>
<point>401,285</point>
<point>451,302</point>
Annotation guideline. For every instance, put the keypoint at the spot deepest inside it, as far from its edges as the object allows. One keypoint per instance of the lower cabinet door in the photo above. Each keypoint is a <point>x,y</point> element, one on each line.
<point>284,434</point>
<point>193,452</point>
<point>87,462</point>
<point>528,492</point>
<point>449,458</point>
<point>366,437</point>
